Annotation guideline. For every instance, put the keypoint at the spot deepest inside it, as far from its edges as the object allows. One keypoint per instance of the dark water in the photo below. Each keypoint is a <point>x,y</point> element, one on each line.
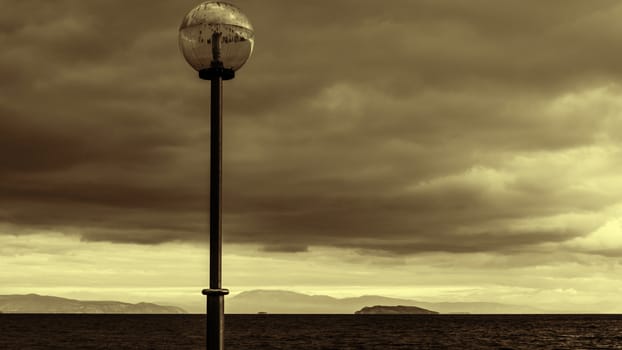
<point>301,332</point>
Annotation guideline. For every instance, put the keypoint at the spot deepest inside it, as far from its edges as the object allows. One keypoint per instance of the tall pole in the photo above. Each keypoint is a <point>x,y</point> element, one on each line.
<point>216,25</point>
<point>215,294</point>
<point>215,229</point>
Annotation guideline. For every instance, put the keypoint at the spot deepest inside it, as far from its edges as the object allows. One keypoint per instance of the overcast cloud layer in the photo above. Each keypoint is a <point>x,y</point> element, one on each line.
<point>401,127</point>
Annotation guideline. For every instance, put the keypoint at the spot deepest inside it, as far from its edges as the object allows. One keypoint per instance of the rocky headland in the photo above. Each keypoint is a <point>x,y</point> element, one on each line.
<point>34,303</point>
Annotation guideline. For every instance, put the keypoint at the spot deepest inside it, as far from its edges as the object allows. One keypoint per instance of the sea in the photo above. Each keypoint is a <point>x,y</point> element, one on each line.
<point>301,332</point>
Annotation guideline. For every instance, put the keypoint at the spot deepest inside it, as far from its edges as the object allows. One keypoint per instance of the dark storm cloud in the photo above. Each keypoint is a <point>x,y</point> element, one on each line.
<point>353,125</point>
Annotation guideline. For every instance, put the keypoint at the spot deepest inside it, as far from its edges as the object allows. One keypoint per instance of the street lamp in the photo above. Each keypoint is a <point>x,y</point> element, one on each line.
<point>216,39</point>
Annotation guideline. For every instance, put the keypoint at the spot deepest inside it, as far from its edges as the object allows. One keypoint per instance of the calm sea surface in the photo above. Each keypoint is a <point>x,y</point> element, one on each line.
<point>293,332</point>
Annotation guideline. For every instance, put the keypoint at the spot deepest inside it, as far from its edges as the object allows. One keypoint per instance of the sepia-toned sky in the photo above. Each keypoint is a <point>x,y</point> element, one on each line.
<point>434,150</point>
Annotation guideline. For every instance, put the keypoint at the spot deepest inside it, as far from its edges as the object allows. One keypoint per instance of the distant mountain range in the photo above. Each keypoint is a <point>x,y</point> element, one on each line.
<point>34,303</point>
<point>285,302</point>
<point>252,302</point>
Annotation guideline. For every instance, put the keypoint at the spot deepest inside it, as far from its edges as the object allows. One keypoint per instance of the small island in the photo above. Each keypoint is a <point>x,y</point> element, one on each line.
<point>394,310</point>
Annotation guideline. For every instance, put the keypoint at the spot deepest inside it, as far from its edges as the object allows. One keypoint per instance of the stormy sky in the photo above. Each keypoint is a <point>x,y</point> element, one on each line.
<point>440,150</point>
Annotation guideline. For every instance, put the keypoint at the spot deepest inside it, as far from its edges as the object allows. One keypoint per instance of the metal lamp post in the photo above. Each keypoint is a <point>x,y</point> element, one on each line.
<point>216,39</point>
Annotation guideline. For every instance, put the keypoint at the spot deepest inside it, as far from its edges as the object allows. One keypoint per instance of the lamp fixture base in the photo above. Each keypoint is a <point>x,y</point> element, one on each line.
<point>216,72</point>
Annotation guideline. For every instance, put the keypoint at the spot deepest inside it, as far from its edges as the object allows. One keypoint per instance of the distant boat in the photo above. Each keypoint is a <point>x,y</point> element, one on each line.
<point>262,313</point>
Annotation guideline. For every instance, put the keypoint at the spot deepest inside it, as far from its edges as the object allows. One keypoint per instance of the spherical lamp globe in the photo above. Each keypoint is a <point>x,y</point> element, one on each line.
<point>216,35</point>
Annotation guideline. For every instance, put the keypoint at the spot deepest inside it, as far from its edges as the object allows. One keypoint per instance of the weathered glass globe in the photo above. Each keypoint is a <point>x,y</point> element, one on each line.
<point>216,34</point>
